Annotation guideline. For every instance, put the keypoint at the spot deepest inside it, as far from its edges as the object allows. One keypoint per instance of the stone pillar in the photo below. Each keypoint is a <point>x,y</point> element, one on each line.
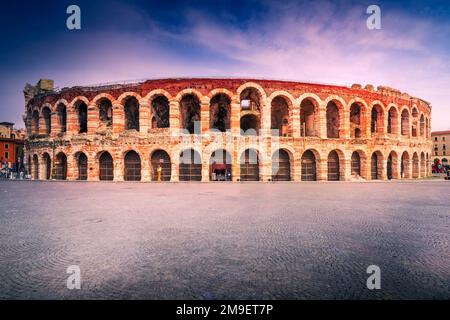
<point>235,122</point>
<point>322,129</point>
<point>144,116</point>
<point>322,170</point>
<point>204,116</point>
<point>118,118</point>
<point>296,170</point>
<point>72,168</point>
<point>42,126</point>
<point>174,117</point>
<point>72,120</point>
<point>42,168</point>
<point>296,120</point>
<point>382,170</point>
<point>55,125</point>
<point>235,166</point>
<point>205,170</point>
<point>348,167</point>
<point>93,119</point>
<point>265,119</point>
<point>344,118</point>
<point>175,171</point>
<point>118,168</point>
<point>145,169</point>
<point>94,174</point>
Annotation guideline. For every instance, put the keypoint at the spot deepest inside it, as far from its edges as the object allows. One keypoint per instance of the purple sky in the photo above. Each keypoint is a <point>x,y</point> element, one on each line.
<point>319,41</point>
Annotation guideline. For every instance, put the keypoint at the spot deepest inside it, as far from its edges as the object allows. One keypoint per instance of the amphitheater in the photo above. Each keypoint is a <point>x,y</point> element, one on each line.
<point>204,129</point>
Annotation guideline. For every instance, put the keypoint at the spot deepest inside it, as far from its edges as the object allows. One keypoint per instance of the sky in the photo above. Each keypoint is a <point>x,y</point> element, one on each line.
<point>314,41</point>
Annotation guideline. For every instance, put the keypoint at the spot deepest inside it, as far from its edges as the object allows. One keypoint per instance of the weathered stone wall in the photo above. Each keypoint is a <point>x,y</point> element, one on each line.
<point>410,149</point>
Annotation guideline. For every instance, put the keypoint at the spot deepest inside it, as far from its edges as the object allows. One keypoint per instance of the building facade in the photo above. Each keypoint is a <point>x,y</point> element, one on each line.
<point>226,129</point>
<point>440,140</point>
<point>11,147</point>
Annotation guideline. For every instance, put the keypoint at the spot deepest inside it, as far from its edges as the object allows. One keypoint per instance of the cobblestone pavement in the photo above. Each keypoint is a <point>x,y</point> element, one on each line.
<point>224,241</point>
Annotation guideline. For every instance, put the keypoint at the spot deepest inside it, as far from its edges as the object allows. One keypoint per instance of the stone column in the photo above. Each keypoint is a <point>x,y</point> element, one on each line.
<point>205,170</point>
<point>235,166</point>
<point>144,116</point>
<point>204,116</point>
<point>118,168</point>
<point>94,174</point>
<point>42,126</point>
<point>72,168</point>
<point>296,120</point>
<point>118,118</point>
<point>322,129</point>
<point>145,169</point>
<point>72,120</point>
<point>344,119</point>
<point>175,171</point>
<point>174,117</point>
<point>93,119</point>
<point>235,122</point>
<point>55,125</point>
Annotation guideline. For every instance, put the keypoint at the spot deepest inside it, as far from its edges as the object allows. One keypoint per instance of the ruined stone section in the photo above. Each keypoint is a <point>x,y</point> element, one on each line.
<point>295,131</point>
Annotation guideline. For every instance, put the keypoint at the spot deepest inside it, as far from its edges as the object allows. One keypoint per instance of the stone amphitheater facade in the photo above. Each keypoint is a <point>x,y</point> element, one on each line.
<point>226,129</point>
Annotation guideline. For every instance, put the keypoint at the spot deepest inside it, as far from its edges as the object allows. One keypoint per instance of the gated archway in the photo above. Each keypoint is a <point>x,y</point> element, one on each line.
<point>333,166</point>
<point>61,167</point>
<point>106,166</point>
<point>48,166</point>
<point>132,166</point>
<point>356,164</point>
<point>82,164</point>
<point>190,166</point>
<point>35,167</point>
<point>220,166</point>
<point>309,170</point>
<point>404,166</point>
<point>161,166</point>
<point>249,165</point>
<point>374,167</point>
<point>281,166</point>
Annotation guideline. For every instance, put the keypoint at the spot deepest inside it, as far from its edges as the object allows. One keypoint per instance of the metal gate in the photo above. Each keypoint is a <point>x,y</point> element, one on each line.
<point>190,166</point>
<point>36,167</point>
<point>132,167</point>
<point>106,167</point>
<point>161,166</point>
<point>389,167</point>
<point>309,166</point>
<point>249,166</point>
<point>374,166</point>
<point>82,167</point>
<point>61,167</point>
<point>281,166</point>
<point>356,164</point>
<point>48,166</point>
<point>333,166</point>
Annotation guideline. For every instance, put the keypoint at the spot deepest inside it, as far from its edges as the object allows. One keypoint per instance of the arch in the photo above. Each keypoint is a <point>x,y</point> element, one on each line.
<point>281,165</point>
<point>423,165</point>
<point>61,112</point>
<point>309,113</point>
<point>106,166</point>
<point>190,113</point>
<point>251,100</point>
<point>254,86</point>
<point>377,119</point>
<point>220,112</point>
<point>249,124</point>
<point>333,119</point>
<point>392,166</point>
<point>334,165</point>
<point>82,166</point>
<point>376,165</point>
<point>280,116</point>
<point>444,161</point>
<point>161,165</point>
<point>404,166</point>
<point>422,125</point>
<point>249,164</point>
<point>309,166</point>
<point>46,115</point>
<point>358,164</point>
<point>48,165</point>
<point>220,166</point>
<point>160,112</point>
<point>105,112</point>
<point>127,95</point>
<point>81,109</point>
<point>132,166</point>
<point>357,120</point>
<point>190,168</point>
<point>415,166</point>
<point>102,96</point>
<point>35,167</point>
<point>405,122</point>
<point>61,166</point>
<point>158,92</point>
<point>131,109</point>
<point>35,122</point>
<point>392,125</point>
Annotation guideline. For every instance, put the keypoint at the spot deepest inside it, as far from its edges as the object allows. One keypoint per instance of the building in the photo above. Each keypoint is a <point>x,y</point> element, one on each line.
<point>11,147</point>
<point>440,140</point>
<point>225,129</point>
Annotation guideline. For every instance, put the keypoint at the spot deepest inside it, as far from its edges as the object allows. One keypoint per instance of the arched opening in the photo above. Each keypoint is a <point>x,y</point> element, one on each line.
<point>392,121</point>
<point>35,167</point>
<point>405,122</point>
<point>404,166</point>
<point>423,165</point>
<point>131,114</point>
<point>356,164</point>
<point>422,126</point>
<point>29,172</point>
<point>415,167</point>
<point>220,112</point>
<point>105,113</point>
<point>81,109</point>
<point>333,166</point>
<point>249,164</point>
<point>392,166</point>
<point>82,165</point>
<point>161,166</point>
<point>333,120</point>
<point>375,173</point>
<point>160,112</point>
<point>427,128</point>
<point>220,166</point>
<point>48,166</point>
<point>308,118</point>
<point>61,167</point>
<point>106,167</point>
<point>250,100</point>
<point>132,166</point>
<point>190,113</point>
<point>35,122</point>
<point>376,125</point>
<point>279,116</point>
<point>62,117</point>
<point>356,121</point>
<point>309,167</point>
<point>46,114</point>
<point>281,166</point>
<point>444,162</point>
<point>249,125</point>
<point>190,166</point>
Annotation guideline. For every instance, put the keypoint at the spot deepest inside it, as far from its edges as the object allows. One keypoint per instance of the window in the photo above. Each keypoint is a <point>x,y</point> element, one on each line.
<point>6,146</point>
<point>6,155</point>
<point>443,138</point>
<point>435,138</point>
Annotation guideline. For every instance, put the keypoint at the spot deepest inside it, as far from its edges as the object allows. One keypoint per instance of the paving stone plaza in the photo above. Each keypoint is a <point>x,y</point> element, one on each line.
<point>225,241</point>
